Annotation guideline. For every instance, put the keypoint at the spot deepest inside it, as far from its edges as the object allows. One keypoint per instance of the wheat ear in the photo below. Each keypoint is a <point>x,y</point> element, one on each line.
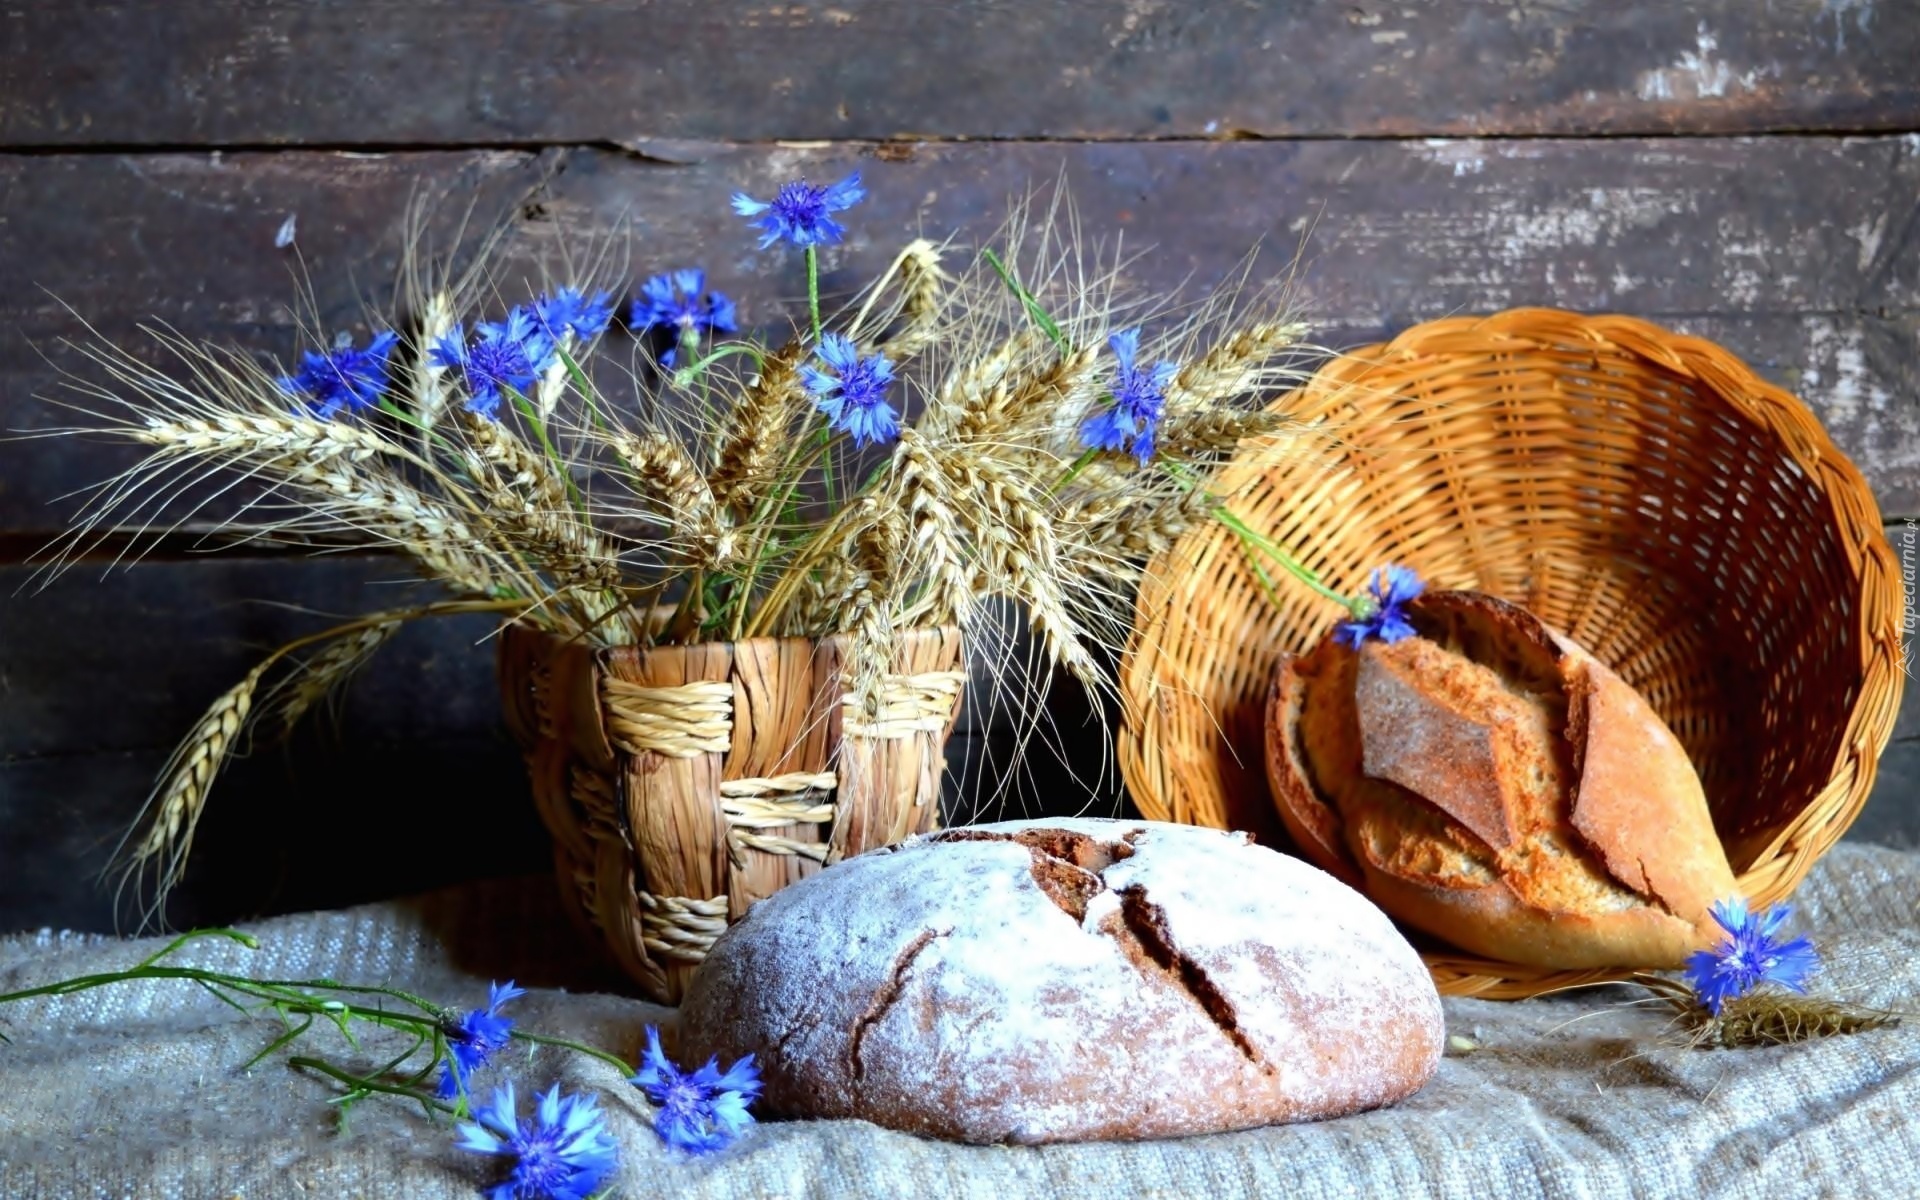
<point>756,437</point>
<point>866,607</point>
<point>1018,550</point>
<point>664,474</point>
<point>528,501</point>
<point>262,436</point>
<point>324,673</point>
<point>1237,366</point>
<point>174,807</point>
<point>922,285</point>
<point>938,549</point>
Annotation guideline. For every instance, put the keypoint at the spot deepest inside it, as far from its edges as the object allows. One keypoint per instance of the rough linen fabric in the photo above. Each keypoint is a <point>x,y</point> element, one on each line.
<point>137,1091</point>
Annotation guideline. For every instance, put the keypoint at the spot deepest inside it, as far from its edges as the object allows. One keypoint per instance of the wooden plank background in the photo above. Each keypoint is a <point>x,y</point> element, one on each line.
<point>1750,174</point>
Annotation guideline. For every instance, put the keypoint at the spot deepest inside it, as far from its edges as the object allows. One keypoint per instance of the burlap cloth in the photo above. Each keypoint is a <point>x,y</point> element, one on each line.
<point>138,1092</point>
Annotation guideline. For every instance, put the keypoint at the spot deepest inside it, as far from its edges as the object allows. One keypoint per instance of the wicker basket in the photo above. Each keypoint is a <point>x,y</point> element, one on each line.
<point>683,783</point>
<point>1643,492</point>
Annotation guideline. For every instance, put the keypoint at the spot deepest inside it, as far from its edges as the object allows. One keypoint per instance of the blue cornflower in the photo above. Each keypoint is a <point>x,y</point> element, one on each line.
<point>475,1037</point>
<point>510,354</point>
<point>568,310</point>
<point>679,302</point>
<point>854,393</point>
<point>801,212</point>
<point>1138,399</point>
<point>1392,588</point>
<point>342,377</point>
<point>1750,955</point>
<point>702,1111</point>
<point>564,1153</point>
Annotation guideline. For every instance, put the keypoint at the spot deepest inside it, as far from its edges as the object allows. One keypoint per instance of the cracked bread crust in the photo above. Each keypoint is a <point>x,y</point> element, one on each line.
<point>1069,980</point>
<point>1493,784</point>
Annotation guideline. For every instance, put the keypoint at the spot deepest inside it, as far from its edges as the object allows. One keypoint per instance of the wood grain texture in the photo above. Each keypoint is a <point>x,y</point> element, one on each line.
<point>414,784</point>
<point>364,72</point>
<point>1800,254</point>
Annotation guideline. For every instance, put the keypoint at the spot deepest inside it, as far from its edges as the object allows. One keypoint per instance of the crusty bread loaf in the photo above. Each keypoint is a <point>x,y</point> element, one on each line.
<point>1066,980</point>
<point>1492,784</point>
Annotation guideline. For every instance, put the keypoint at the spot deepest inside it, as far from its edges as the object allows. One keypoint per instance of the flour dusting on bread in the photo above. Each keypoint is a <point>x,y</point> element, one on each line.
<point>1055,980</point>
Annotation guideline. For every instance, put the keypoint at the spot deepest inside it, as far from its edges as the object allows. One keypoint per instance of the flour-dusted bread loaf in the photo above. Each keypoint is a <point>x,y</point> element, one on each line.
<point>1493,784</point>
<point>1051,981</point>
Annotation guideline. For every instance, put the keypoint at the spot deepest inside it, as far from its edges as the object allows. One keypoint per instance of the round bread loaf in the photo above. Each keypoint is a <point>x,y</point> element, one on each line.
<point>1067,980</point>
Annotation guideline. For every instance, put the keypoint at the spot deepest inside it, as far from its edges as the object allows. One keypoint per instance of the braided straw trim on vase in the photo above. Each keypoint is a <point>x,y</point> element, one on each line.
<point>679,722</point>
<point>678,928</point>
<point>770,803</point>
<point>1643,492</point>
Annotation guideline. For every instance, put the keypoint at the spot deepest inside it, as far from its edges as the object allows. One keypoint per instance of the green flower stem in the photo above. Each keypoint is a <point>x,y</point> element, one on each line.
<point>296,999</point>
<point>547,447</point>
<point>1252,540</point>
<point>540,1039</point>
<point>813,290</point>
<point>360,1085</point>
<point>587,392</point>
<point>1359,606</point>
<point>1079,464</point>
<point>719,352</point>
<point>1034,310</point>
<point>826,467</point>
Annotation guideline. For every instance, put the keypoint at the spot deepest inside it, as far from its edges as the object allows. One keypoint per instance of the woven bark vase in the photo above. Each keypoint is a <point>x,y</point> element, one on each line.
<point>683,783</point>
<point>1642,492</point>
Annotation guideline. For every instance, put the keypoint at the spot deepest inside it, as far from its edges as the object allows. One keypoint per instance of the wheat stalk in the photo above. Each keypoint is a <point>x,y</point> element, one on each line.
<point>268,436</point>
<point>756,428</point>
<point>1016,548</point>
<point>174,807</point>
<point>324,673</point>
<point>939,550</point>
<point>1233,368</point>
<point>665,474</point>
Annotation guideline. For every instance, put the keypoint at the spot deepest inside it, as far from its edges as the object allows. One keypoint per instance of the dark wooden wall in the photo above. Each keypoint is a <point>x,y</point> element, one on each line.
<point>1747,172</point>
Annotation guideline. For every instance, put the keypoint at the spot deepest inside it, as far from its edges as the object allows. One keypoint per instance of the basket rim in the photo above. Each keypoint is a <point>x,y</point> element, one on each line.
<point>1785,420</point>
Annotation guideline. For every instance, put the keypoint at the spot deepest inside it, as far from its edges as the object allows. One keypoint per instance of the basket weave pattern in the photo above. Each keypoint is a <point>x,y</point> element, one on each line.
<point>1644,493</point>
<point>683,783</point>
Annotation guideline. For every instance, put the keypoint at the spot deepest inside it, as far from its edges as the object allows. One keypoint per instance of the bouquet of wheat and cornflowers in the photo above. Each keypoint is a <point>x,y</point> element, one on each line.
<point>756,559</point>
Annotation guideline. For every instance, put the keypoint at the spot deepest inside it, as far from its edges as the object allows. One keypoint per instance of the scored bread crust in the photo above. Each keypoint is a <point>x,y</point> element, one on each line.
<point>1605,853</point>
<point>1065,980</point>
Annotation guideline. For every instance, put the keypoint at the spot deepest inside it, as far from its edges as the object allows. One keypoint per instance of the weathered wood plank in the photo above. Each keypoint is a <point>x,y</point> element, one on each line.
<point>417,784</point>
<point>364,72</point>
<point>412,784</point>
<point>125,660</point>
<point>1801,254</point>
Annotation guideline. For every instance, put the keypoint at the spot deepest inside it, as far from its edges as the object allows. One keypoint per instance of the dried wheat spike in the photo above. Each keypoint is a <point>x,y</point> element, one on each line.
<point>1234,367</point>
<point>388,508</point>
<point>936,545</point>
<point>324,672</point>
<point>1048,393</point>
<point>971,386</point>
<point>1017,549</point>
<point>425,381</point>
<point>180,796</point>
<point>757,428</point>
<point>263,437</point>
<point>665,475</point>
<point>866,608</point>
<point>511,472</point>
<point>1200,432</point>
<point>528,504</point>
<point>923,285</point>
